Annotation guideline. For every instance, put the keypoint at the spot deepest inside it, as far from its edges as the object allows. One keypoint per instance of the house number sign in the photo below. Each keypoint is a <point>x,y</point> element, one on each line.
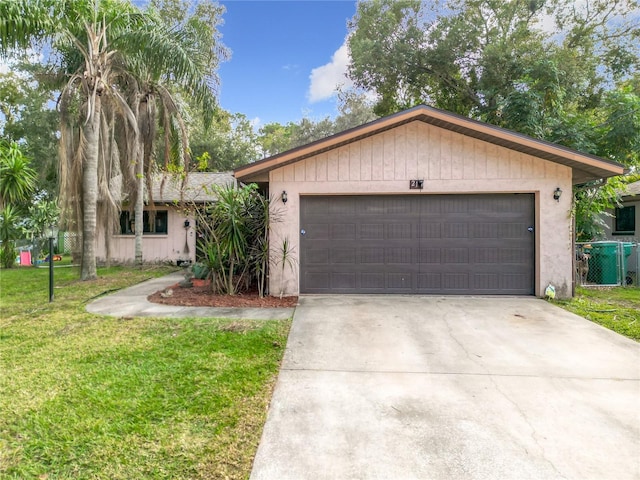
<point>416,184</point>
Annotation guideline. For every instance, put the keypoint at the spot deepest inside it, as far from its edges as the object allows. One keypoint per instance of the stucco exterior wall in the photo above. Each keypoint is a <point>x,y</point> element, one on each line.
<point>449,163</point>
<point>155,248</point>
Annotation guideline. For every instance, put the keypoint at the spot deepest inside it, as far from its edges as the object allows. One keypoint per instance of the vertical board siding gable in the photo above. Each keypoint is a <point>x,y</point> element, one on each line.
<point>417,150</point>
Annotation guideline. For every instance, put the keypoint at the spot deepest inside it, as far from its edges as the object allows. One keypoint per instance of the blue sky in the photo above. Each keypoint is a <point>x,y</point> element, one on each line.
<point>286,57</point>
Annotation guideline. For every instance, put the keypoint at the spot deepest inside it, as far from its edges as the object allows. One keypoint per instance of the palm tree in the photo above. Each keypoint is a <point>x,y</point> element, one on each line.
<point>17,178</point>
<point>152,97</point>
<point>9,231</point>
<point>100,43</point>
<point>17,183</point>
<point>89,39</point>
<point>193,48</point>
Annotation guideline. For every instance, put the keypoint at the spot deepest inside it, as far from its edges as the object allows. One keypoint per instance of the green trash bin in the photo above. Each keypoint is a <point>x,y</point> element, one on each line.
<point>628,248</point>
<point>604,266</point>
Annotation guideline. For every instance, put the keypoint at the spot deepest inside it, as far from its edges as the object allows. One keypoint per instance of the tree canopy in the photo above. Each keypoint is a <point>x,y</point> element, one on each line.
<point>114,60</point>
<point>563,71</point>
<point>556,70</point>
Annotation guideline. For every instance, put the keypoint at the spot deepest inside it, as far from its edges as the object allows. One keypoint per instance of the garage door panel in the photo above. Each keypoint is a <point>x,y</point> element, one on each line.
<point>514,281</point>
<point>342,231</point>
<point>486,281</point>
<point>347,207</point>
<point>343,281</point>
<point>455,206</point>
<point>372,255</point>
<point>320,206</point>
<point>455,230</point>
<point>515,256</point>
<point>399,230</point>
<point>429,282</point>
<point>318,256</point>
<point>430,255</point>
<point>399,206</point>
<point>372,231</point>
<point>317,231</point>
<point>484,230</point>
<point>429,230</point>
<point>513,230</point>
<point>343,256</point>
<point>447,244</point>
<point>317,282</point>
<point>402,255</point>
<point>372,281</point>
<point>455,281</point>
<point>455,255</point>
<point>375,206</point>
<point>485,255</point>
<point>400,281</point>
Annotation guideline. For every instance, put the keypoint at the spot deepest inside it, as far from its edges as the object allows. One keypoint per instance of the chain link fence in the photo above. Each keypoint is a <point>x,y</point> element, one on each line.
<point>607,264</point>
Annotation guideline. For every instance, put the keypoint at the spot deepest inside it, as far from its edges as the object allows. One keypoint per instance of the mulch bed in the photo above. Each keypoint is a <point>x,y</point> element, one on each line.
<point>200,296</point>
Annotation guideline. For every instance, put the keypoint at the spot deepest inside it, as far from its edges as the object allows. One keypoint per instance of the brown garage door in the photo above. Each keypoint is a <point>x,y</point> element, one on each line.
<point>431,244</point>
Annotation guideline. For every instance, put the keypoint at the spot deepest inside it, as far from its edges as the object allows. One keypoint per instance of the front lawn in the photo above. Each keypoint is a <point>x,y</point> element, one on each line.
<point>85,396</point>
<point>616,308</point>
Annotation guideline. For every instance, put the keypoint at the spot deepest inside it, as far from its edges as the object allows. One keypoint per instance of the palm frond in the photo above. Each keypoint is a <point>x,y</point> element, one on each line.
<point>23,22</point>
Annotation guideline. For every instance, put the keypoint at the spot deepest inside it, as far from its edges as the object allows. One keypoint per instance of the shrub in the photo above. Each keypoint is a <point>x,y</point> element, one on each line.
<point>234,242</point>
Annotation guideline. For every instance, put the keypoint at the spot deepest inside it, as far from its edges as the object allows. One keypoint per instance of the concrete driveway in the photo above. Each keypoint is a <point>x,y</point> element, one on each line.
<point>397,387</point>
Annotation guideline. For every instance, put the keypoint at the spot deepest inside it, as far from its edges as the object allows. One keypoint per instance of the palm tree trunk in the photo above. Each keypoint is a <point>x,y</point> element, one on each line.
<point>90,194</point>
<point>140,113</point>
<point>139,209</point>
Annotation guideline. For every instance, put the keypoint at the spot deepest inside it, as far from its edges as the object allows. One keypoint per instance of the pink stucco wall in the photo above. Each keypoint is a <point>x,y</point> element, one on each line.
<point>449,163</point>
<point>155,248</point>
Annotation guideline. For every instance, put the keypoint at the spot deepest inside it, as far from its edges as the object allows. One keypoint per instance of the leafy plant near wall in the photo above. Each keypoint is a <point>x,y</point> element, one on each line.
<point>234,238</point>
<point>286,258</point>
<point>9,230</point>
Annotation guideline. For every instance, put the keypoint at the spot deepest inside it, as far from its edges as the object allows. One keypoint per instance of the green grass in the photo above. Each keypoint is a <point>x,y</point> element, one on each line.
<point>86,396</point>
<point>616,308</point>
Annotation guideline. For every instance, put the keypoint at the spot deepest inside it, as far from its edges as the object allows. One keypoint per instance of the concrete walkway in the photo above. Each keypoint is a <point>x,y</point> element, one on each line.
<point>132,302</point>
<point>398,387</point>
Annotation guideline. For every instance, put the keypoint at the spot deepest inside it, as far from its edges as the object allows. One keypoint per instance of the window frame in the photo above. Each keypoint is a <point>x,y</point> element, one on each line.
<point>629,219</point>
<point>126,219</point>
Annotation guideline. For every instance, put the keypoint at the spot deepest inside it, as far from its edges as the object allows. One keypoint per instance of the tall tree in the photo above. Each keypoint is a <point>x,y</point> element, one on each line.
<point>29,118</point>
<point>17,183</point>
<point>87,34</point>
<point>98,42</point>
<point>558,70</point>
<point>17,178</point>
<point>492,60</point>
<point>230,142</point>
<point>354,109</point>
<point>153,93</point>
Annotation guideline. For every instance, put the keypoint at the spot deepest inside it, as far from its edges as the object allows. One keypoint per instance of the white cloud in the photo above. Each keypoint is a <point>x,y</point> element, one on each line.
<point>7,64</point>
<point>326,78</point>
<point>255,123</point>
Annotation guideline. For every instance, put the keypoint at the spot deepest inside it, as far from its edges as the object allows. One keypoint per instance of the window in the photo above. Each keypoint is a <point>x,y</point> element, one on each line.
<point>626,219</point>
<point>153,224</point>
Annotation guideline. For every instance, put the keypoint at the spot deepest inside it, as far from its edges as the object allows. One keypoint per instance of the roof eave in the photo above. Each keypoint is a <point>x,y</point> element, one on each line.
<point>585,167</point>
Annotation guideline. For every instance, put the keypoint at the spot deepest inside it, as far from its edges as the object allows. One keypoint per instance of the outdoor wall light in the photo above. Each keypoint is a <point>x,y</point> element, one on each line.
<point>187,223</point>
<point>557,193</point>
<point>284,196</point>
